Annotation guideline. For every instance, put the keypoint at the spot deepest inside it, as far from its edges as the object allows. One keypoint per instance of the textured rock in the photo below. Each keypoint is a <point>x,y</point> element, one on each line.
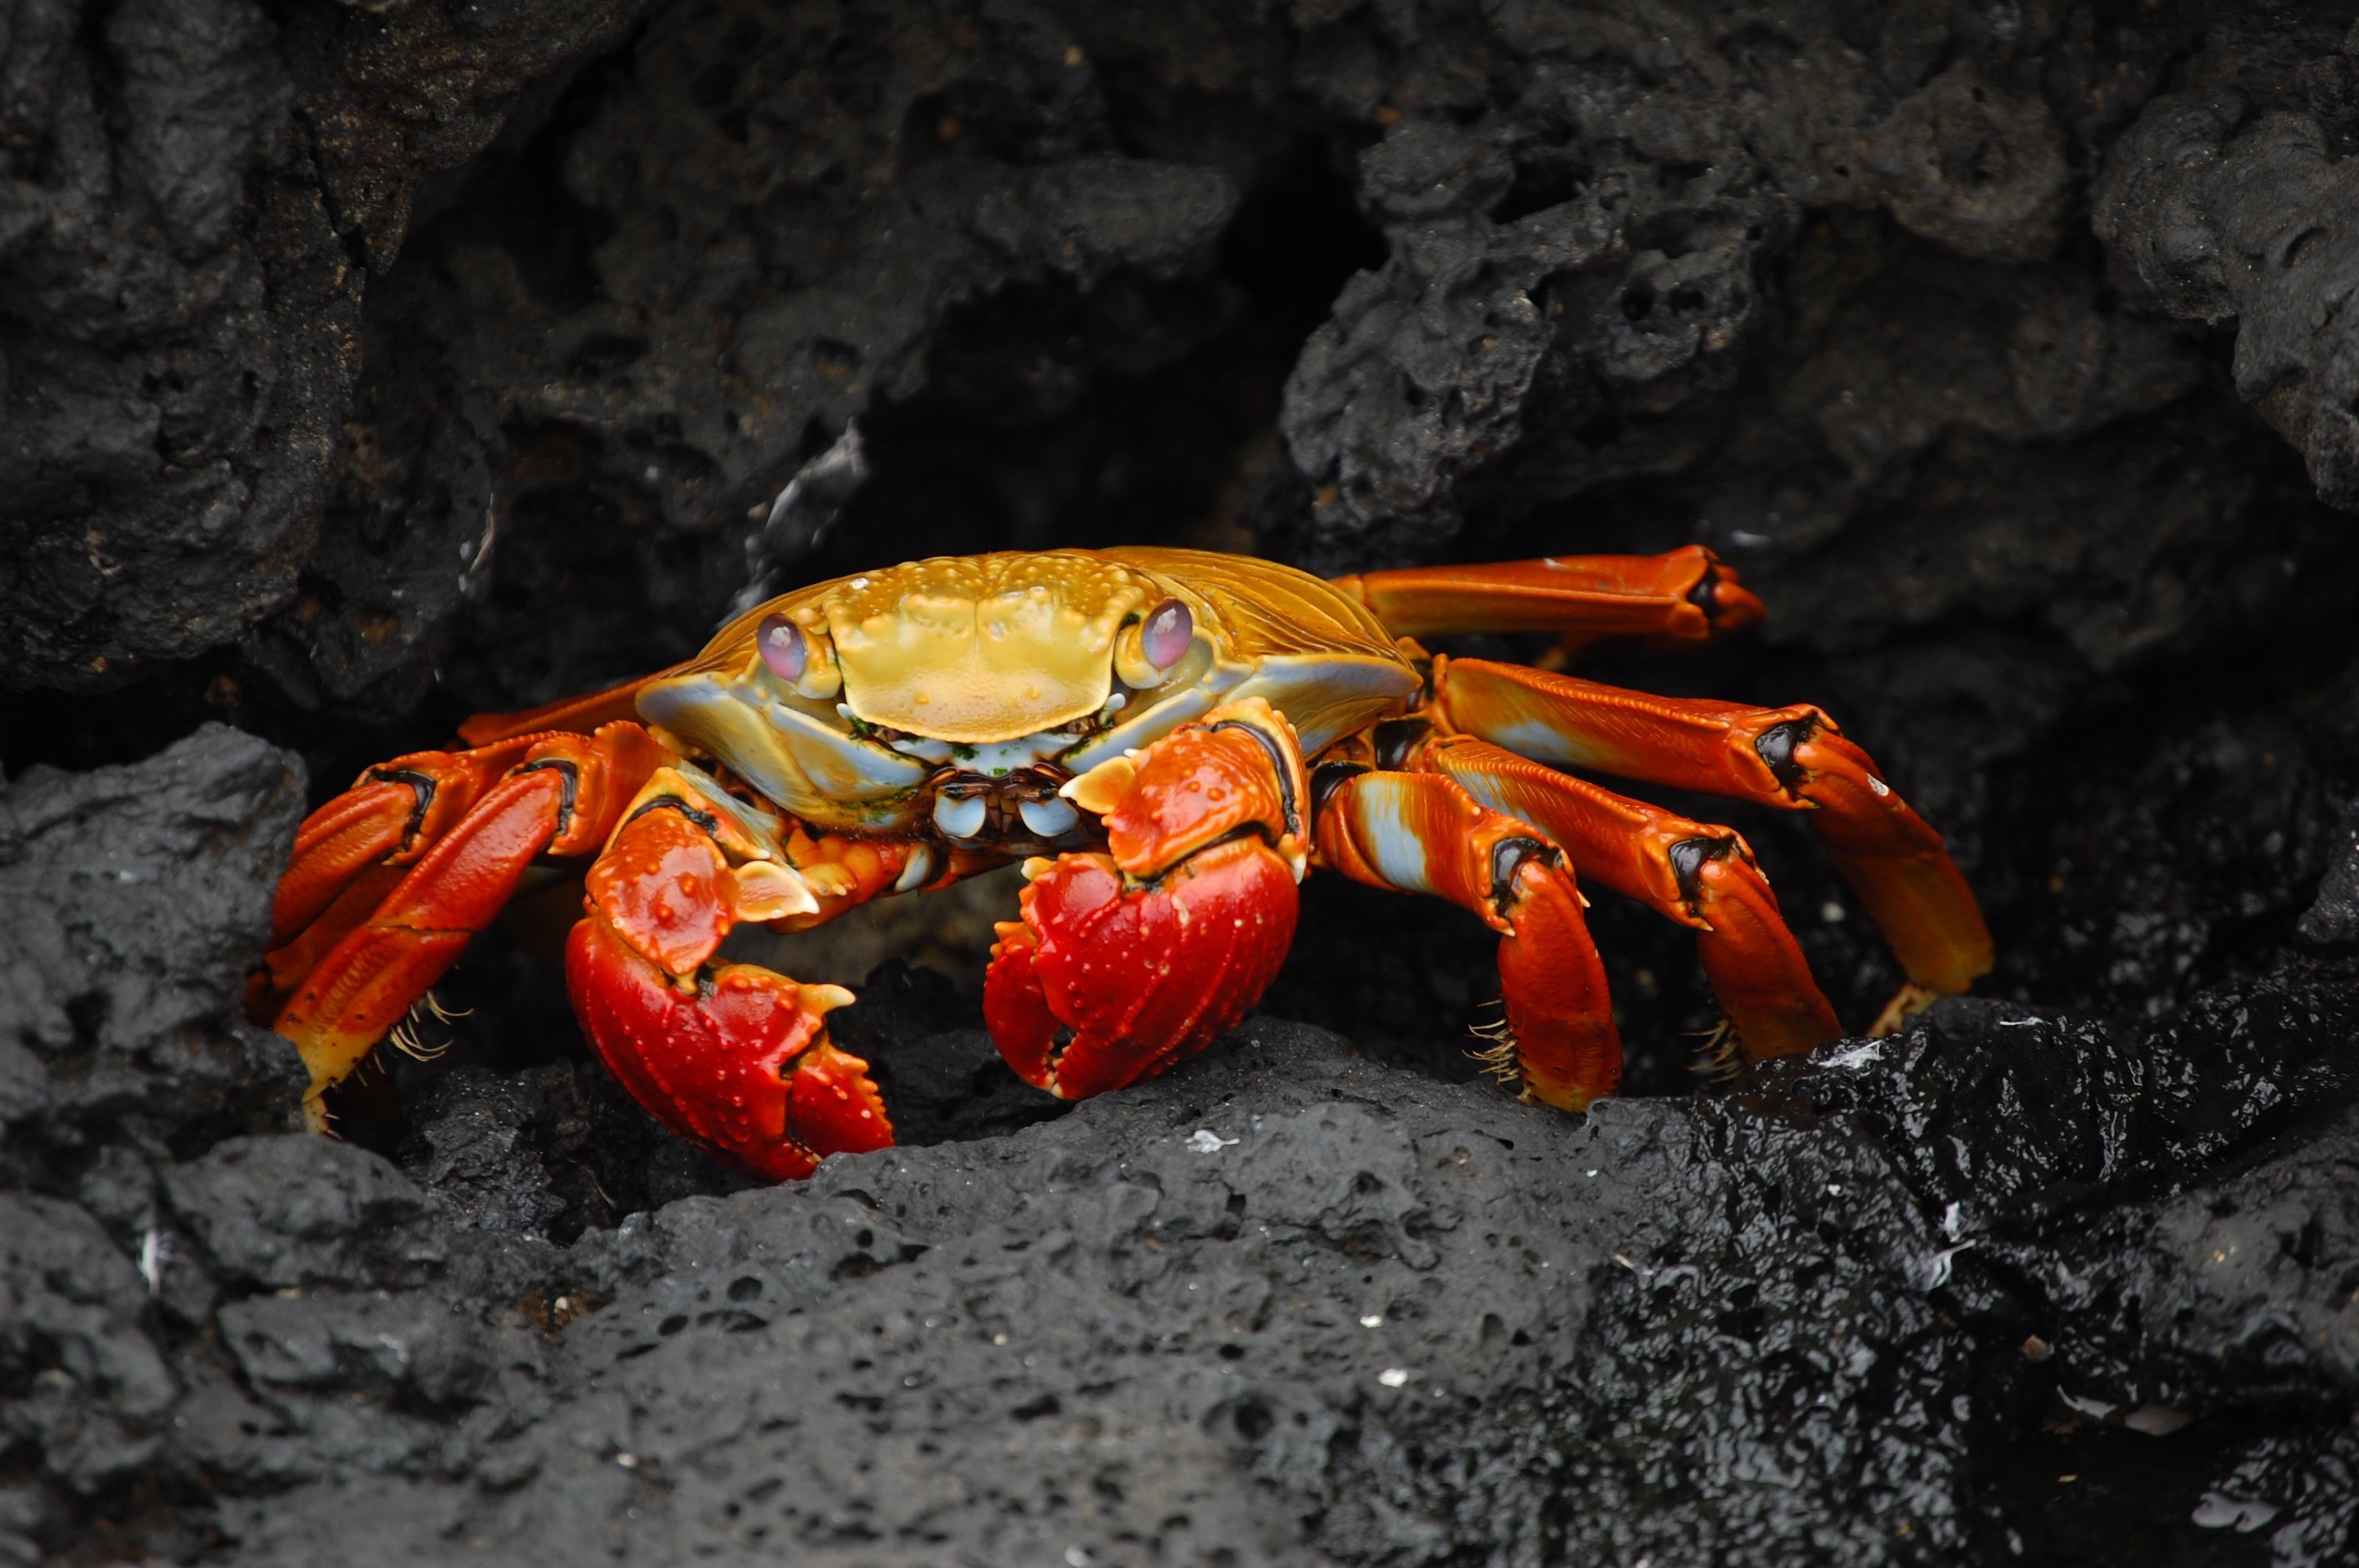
<point>286,1212</point>
<point>1873,1301</point>
<point>81,1385</point>
<point>2335,915</point>
<point>146,890</point>
<point>1383,1318</point>
<point>185,192</point>
<point>367,362</point>
<point>2232,201</point>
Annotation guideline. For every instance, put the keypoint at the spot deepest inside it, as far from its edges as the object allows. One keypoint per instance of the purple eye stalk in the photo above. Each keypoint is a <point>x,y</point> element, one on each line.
<point>783,648</point>
<point>796,657</point>
<point>1166,633</point>
<point>1149,649</point>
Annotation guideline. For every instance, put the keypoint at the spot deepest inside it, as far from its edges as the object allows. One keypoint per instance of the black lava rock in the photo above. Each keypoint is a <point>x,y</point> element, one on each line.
<point>365,365</point>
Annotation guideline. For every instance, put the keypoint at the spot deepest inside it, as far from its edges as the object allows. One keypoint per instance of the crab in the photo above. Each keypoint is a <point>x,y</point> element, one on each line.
<point>1168,740</point>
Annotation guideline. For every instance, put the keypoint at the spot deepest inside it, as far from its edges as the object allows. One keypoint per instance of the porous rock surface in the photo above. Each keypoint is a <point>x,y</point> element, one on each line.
<point>1287,1304</point>
<point>365,362</point>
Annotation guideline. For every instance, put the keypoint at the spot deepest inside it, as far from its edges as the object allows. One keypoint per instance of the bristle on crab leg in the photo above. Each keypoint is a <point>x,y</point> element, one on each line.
<point>1423,833</point>
<point>1699,875</point>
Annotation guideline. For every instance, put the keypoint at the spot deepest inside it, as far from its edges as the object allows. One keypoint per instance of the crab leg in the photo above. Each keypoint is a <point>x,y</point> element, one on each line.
<point>1699,874</point>
<point>1684,596</point>
<point>1425,833</point>
<point>392,814</point>
<point>733,1058</point>
<point>357,962</point>
<point>1127,962</point>
<point>1791,757</point>
<point>581,715</point>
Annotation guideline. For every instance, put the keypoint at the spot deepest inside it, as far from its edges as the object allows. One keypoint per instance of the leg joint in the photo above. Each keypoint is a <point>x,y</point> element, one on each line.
<point>1690,856</point>
<point>704,819</point>
<point>1507,857</point>
<point>1285,775</point>
<point>422,786</point>
<point>1329,777</point>
<point>568,787</point>
<point>1777,747</point>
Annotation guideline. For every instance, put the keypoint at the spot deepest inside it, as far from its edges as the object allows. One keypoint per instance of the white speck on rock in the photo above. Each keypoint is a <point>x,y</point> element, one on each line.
<point>2243,1515</point>
<point>1868,1053</point>
<point>1938,1266</point>
<point>1204,1140</point>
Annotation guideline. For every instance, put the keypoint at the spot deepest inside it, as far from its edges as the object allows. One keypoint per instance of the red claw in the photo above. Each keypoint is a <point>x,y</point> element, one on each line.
<point>1101,986</point>
<point>740,1065</point>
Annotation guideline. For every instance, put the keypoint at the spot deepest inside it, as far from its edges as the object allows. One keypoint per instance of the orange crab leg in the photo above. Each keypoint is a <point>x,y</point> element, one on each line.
<point>389,816</point>
<point>1687,595</point>
<point>1425,833</point>
<point>1790,757</point>
<point>1699,874</point>
<point>562,798</point>
<point>582,715</point>
<point>1127,962</point>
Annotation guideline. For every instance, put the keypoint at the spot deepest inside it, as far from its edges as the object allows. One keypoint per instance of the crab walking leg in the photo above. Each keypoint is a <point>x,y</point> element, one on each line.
<point>1699,874</point>
<point>1687,595</point>
<point>562,798</point>
<point>581,715</point>
<point>1790,757</point>
<point>733,1058</point>
<point>1127,962</point>
<point>1424,833</point>
<point>393,813</point>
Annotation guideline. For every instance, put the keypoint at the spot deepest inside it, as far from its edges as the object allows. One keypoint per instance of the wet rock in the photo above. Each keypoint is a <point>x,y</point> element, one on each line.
<point>1297,1306</point>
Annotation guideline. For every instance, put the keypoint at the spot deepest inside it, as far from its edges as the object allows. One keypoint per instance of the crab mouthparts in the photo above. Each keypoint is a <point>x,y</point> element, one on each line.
<point>1021,809</point>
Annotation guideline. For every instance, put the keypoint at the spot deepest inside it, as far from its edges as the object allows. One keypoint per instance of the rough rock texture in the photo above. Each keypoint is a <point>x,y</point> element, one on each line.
<point>363,363</point>
<point>191,195</point>
<point>1777,280</point>
<point>2017,1283</point>
<point>2227,200</point>
<point>685,274</point>
<point>140,895</point>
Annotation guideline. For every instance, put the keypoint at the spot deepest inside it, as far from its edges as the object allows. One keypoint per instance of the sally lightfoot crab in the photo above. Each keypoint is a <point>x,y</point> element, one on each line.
<point>1168,739</point>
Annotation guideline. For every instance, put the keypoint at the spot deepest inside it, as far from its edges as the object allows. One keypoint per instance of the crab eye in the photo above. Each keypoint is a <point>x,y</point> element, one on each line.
<point>1167,631</point>
<point>784,651</point>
